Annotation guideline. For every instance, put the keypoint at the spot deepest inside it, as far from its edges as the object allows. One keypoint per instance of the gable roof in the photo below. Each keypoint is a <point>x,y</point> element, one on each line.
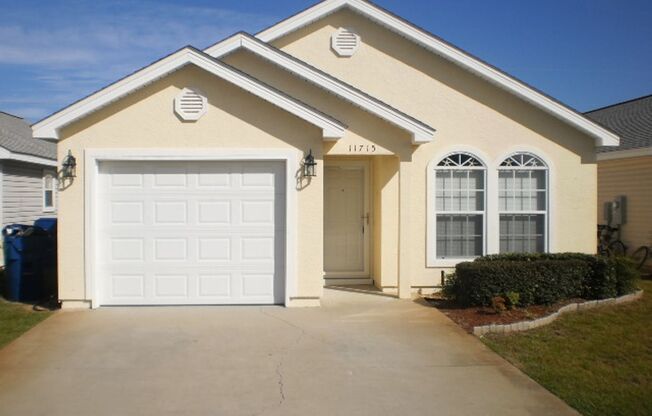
<point>49,127</point>
<point>17,143</point>
<point>632,120</point>
<point>421,132</point>
<point>602,136</point>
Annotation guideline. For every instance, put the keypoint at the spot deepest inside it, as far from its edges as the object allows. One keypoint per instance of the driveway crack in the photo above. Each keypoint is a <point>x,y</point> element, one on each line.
<point>281,387</point>
<point>284,352</point>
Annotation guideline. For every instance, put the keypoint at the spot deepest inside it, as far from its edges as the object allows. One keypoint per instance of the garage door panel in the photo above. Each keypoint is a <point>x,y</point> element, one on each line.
<point>191,233</point>
<point>171,212</point>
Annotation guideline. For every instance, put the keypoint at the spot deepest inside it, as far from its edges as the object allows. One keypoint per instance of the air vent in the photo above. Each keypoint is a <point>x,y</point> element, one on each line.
<point>345,42</point>
<point>190,105</point>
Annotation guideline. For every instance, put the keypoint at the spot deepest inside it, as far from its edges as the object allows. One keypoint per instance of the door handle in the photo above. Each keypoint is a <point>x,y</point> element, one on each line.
<point>365,221</point>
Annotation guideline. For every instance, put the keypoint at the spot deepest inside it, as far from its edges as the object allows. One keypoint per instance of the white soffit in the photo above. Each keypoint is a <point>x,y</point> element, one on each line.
<point>602,136</point>
<point>49,127</point>
<point>421,132</point>
<point>6,154</point>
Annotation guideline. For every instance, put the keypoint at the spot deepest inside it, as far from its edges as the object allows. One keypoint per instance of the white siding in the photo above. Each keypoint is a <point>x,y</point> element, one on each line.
<point>22,193</point>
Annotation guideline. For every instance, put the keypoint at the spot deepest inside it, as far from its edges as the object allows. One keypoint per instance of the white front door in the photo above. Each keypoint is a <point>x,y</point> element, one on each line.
<point>346,221</point>
<point>191,233</point>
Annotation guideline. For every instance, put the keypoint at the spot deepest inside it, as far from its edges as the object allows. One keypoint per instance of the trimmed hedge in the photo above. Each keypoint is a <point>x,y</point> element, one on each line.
<point>540,278</point>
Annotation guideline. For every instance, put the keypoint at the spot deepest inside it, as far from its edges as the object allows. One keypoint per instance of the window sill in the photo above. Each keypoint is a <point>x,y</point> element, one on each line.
<point>448,262</point>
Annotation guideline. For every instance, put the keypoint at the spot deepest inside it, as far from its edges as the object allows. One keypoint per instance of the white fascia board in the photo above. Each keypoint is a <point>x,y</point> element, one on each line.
<point>49,127</point>
<point>421,133</point>
<point>625,154</point>
<point>19,157</point>
<point>602,136</point>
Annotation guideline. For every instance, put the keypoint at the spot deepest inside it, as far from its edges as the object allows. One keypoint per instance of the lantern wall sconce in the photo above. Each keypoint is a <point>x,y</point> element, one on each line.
<point>309,165</point>
<point>69,167</point>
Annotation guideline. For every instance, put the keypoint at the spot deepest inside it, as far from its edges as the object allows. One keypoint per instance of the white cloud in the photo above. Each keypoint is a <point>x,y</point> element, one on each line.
<point>62,51</point>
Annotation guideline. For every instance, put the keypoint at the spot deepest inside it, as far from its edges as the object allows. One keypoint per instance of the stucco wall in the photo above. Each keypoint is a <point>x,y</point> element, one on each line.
<point>145,119</point>
<point>631,177</point>
<point>466,111</point>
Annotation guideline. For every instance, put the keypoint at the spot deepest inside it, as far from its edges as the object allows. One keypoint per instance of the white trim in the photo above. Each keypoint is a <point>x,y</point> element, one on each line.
<point>602,136</point>
<point>6,154</point>
<point>92,157</point>
<point>421,133</point>
<point>368,228</point>
<point>53,174</point>
<point>431,214</point>
<point>624,154</point>
<point>49,127</point>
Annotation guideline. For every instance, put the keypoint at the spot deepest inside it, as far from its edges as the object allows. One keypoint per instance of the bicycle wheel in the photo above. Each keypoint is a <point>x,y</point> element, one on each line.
<point>617,249</point>
<point>640,256</point>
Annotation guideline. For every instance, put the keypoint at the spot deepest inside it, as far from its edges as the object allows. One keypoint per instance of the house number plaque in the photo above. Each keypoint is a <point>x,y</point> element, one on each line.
<point>362,148</point>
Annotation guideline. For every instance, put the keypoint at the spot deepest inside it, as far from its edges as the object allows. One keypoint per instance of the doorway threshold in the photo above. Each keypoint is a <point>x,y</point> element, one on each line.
<point>361,288</point>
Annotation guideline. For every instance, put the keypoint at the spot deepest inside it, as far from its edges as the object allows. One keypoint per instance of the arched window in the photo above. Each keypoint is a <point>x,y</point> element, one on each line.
<point>460,181</point>
<point>523,204</point>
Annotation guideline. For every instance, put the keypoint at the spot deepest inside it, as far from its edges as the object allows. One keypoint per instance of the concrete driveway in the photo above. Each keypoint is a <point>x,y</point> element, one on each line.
<point>357,355</point>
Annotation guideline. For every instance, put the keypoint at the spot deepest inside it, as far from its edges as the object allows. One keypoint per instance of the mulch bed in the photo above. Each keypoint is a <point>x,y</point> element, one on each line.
<point>467,318</point>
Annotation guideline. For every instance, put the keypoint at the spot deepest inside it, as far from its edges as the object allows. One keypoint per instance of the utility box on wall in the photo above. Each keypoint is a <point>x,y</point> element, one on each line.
<point>615,212</point>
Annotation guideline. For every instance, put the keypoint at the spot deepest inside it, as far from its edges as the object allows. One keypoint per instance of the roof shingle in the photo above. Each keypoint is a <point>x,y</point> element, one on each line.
<point>631,120</point>
<point>16,136</point>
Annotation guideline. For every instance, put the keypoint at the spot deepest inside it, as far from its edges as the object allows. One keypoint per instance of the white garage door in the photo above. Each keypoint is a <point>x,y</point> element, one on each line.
<point>191,233</point>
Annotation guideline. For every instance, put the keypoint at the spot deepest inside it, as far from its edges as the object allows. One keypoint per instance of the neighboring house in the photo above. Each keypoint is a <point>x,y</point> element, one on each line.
<point>626,170</point>
<point>193,181</point>
<point>27,173</point>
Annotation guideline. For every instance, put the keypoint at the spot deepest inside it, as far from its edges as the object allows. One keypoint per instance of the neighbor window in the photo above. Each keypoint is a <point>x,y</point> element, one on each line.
<point>460,207</point>
<point>523,204</point>
<point>48,191</point>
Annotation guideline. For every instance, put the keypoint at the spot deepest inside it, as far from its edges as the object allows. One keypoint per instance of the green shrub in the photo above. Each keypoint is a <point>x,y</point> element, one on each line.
<point>537,282</point>
<point>539,278</point>
<point>626,275</point>
<point>450,287</point>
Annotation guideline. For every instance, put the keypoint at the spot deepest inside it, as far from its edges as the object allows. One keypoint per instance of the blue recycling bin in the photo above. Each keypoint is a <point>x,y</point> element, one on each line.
<point>30,263</point>
<point>49,260</point>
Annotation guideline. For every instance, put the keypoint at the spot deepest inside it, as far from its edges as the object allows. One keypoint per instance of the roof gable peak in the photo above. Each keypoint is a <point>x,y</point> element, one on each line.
<point>601,135</point>
<point>420,131</point>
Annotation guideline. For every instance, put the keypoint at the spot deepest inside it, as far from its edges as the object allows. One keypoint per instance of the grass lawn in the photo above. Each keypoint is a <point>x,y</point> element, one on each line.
<point>16,318</point>
<point>598,361</point>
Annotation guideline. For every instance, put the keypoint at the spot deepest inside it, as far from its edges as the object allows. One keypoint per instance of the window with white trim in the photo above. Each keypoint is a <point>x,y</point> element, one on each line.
<point>523,204</point>
<point>460,188</point>
<point>48,191</point>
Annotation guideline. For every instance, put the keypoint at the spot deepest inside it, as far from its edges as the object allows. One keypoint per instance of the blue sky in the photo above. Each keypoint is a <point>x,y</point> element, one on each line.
<point>586,53</point>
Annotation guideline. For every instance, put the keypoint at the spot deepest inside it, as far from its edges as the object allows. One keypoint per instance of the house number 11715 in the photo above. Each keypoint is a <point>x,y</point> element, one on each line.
<point>362,148</point>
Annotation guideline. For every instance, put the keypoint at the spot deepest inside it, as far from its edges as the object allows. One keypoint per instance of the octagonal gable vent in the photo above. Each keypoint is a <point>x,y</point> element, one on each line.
<point>345,42</point>
<point>190,104</point>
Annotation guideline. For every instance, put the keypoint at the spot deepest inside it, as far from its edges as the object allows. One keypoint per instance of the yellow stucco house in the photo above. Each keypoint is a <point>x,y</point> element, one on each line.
<point>194,182</point>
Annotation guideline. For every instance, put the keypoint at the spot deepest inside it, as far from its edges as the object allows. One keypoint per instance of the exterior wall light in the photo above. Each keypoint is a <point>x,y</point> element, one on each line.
<point>69,166</point>
<point>309,165</point>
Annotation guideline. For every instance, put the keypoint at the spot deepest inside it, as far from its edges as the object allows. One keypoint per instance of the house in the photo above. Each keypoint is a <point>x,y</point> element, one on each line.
<point>28,173</point>
<point>195,176</point>
<point>626,170</point>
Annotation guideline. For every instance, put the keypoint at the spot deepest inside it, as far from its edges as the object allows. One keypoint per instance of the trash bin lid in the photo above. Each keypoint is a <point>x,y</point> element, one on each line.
<point>48,224</point>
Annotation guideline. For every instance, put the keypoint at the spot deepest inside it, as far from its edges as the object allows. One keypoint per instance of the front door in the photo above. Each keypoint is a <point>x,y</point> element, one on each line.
<point>346,221</point>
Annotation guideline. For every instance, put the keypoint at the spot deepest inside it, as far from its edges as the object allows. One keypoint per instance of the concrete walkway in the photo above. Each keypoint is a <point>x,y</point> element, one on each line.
<point>357,355</point>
